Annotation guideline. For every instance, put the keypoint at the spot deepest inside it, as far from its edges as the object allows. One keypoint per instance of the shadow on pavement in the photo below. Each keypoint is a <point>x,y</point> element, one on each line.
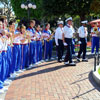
<point>41,71</point>
<point>37,66</point>
<point>96,87</point>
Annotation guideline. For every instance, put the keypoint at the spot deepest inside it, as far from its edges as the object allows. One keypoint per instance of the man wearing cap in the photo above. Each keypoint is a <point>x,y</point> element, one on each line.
<point>59,41</point>
<point>83,41</point>
<point>67,40</point>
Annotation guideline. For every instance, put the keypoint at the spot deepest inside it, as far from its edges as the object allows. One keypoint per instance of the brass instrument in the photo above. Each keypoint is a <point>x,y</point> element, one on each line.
<point>95,30</point>
<point>11,33</point>
<point>11,41</point>
<point>27,36</point>
<point>51,36</point>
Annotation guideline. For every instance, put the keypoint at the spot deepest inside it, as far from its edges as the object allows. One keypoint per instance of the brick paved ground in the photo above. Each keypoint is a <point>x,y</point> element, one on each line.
<point>54,81</point>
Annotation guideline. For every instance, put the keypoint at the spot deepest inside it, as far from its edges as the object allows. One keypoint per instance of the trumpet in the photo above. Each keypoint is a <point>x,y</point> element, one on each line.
<point>51,36</point>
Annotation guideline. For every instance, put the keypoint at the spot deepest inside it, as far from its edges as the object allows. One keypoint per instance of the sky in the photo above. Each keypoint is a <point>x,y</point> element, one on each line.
<point>1,5</point>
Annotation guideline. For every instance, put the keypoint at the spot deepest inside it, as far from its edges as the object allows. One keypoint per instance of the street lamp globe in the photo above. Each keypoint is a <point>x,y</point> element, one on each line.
<point>34,6</point>
<point>22,6</point>
<point>30,5</point>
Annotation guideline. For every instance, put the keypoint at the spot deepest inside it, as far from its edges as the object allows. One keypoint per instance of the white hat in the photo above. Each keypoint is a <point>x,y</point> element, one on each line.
<point>60,22</point>
<point>70,18</point>
<point>84,22</point>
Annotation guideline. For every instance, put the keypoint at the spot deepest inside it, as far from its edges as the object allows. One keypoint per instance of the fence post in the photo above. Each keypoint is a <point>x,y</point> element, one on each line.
<point>95,62</point>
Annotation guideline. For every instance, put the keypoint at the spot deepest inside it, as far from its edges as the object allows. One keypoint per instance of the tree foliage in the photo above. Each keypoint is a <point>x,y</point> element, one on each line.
<point>95,6</point>
<point>72,7</point>
<point>20,13</point>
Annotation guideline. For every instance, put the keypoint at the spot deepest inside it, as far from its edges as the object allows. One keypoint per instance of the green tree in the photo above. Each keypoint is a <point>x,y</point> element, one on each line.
<point>71,7</point>
<point>95,6</point>
<point>20,13</point>
<point>80,7</point>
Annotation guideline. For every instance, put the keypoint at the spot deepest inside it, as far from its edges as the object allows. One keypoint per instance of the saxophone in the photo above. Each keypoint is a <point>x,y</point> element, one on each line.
<point>51,36</point>
<point>11,33</point>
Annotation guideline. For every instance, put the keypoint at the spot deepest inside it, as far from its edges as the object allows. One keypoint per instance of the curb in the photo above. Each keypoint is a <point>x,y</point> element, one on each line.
<point>96,76</point>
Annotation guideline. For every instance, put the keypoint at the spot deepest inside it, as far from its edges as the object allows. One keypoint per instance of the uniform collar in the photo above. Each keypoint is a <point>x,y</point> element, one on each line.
<point>46,29</point>
<point>37,31</point>
<point>68,25</point>
<point>30,27</point>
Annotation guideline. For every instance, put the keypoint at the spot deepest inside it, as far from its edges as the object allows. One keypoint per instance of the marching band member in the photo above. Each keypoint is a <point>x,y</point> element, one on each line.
<point>67,39</point>
<point>59,41</point>
<point>83,39</point>
<point>32,44</point>
<point>1,61</point>
<point>48,43</point>
<point>16,52</point>
<point>24,43</point>
<point>38,44</point>
<point>95,37</point>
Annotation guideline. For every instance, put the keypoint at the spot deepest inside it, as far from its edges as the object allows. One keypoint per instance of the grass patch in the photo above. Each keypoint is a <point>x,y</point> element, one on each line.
<point>99,71</point>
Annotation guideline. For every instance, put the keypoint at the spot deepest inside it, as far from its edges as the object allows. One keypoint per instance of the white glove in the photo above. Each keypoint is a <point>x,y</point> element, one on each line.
<point>76,40</point>
<point>65,44</point>
<point>79,42</point>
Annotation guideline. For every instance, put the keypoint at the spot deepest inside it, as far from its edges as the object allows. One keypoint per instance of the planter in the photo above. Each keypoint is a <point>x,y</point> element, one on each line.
<point>96,75</point>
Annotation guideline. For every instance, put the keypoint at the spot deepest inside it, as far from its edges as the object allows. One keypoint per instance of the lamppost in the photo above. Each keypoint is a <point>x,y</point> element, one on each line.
<point>27,5</point>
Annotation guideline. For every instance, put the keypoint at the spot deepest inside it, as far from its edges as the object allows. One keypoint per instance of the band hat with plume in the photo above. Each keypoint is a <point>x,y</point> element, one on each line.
<point>70,18</point>
<point>60,22</point>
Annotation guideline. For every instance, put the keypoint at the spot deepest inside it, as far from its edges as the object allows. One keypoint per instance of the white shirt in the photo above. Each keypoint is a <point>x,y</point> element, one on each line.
<point>17,40</point>
<point>45,36</point>
<point>5,43</point>
<point>68,31</point>
<point>38,35</point>
<point>58,34</point>
<point>1,45</point>
<point>82,32</point>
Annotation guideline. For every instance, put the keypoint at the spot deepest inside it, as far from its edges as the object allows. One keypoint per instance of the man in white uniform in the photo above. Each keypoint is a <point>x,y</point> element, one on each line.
<point>67,39</point>
<point>59,41</point>
<point>83,41</point>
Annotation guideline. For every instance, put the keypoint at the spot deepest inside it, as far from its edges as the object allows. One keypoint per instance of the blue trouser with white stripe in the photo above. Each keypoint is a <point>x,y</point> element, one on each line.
<point>4,66</point>
<point>1,83</point>
<point>95,43</point>
<point>33,52</point>
<point>48,49</point>
<point>9,58</point>
<point>38,51</point>
<point>16,58</point>
<point>24,55</point>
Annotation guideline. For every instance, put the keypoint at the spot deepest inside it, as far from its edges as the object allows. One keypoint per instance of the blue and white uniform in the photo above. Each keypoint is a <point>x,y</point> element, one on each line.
<point>5,68</point>
<point>1,67</point>
<point>38,46</point>
<point>24,60</point>
<point>95,41</point>
<point>48,45</point>
<point>16,54</point>
<point>32,46</point>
